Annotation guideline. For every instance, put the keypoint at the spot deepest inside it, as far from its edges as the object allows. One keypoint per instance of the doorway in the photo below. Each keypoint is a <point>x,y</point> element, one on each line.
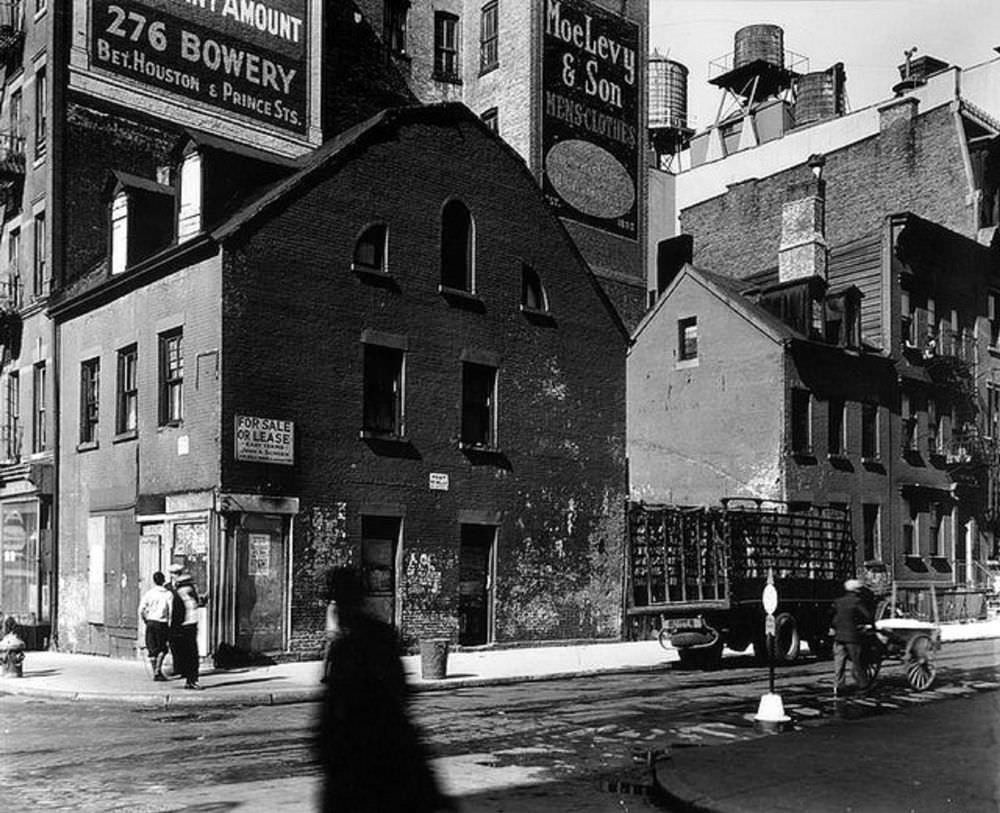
<point>261,579</point>
<point>379,549</point>
<point>476,584</point>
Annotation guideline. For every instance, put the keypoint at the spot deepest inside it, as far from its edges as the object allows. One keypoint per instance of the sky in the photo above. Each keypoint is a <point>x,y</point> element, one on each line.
<point>868,36</point>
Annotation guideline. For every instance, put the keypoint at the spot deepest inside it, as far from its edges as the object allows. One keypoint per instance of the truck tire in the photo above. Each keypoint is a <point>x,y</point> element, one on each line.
<point>786,638</point>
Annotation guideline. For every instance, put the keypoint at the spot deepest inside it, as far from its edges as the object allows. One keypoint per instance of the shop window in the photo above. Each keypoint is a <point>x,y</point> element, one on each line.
<point>370,250</point>
<point>479,418</point>
<point>869,432</point>
<point>489,38</point>
<point>19,562</point>
<point>383,391</point>
<point>532,293</point>
<point>836,428</point>
<point>457,247</point>
<point>872,539</point>
<point>39,397</point>
<point>394,13</point>
<point>801,422</point>
<point>127,408</point>
<point>687,339</point>
<point>446,47</point>
<point>171,378</point>
<point>90,400</point>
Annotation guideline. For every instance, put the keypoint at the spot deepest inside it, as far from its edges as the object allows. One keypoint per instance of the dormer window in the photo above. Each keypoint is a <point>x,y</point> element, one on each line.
<point>119,233</point>
<point>189,211</point>
<point>370,250</point>
<point>141,216</point>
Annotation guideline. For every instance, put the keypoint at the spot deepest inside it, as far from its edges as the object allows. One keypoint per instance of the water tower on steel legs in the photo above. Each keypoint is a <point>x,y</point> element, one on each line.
<point>669,133</point>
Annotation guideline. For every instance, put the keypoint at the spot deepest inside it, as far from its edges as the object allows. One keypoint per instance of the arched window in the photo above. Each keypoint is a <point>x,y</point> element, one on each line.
<point>457,247</point>
<point>532,293</point>
<point>370,250</point>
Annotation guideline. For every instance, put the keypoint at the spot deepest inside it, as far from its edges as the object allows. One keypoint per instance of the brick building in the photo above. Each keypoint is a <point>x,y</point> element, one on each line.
<point>394,357</point>
<point>921,286</point>
<point>564,83</point>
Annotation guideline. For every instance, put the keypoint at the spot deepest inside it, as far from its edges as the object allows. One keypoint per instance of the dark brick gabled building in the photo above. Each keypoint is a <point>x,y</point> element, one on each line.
<point>395,358</point>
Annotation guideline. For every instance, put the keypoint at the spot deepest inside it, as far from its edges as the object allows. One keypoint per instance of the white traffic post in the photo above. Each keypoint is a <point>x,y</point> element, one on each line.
<point>770,712</point>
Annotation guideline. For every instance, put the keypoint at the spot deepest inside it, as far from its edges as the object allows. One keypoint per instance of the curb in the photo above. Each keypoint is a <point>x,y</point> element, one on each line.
<point>300,695</point>
<point>679,796</point>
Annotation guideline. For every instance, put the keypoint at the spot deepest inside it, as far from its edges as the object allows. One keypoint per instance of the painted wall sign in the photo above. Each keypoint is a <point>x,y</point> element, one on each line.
<point>243,56</point>
<point>590,115</point>
<point>265,440</point>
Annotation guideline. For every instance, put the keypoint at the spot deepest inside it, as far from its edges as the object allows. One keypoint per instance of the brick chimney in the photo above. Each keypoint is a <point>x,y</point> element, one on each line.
<point>802,251</point>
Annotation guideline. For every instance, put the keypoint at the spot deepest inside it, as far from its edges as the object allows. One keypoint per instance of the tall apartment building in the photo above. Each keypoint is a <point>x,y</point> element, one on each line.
<point>564,83</point>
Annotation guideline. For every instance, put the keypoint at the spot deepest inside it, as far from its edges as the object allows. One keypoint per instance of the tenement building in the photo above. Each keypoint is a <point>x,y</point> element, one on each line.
<point>393,356</point>
<point>894,208</point>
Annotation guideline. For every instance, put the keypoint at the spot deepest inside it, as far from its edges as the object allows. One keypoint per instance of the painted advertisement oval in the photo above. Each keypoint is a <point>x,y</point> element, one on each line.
<point>590,179</point>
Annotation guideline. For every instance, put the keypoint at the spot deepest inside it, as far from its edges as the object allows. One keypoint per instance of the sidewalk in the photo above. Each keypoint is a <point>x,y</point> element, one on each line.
<point>89,678</point>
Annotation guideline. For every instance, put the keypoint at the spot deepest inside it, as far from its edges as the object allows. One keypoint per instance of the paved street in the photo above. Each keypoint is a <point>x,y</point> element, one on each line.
<point>570,745</point>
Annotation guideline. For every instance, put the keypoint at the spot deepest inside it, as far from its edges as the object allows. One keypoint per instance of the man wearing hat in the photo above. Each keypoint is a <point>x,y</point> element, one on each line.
<point>850,616</point>
<point>184,626</point>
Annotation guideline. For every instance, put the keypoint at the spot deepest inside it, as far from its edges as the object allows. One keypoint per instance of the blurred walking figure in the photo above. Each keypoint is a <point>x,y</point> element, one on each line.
<point>184,626</point>
<point>155,611</point>
<point>370,753</point>
<point>850,617</point>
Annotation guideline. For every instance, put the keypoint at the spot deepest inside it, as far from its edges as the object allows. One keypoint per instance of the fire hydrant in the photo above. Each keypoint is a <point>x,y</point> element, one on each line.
<point>11,649</point>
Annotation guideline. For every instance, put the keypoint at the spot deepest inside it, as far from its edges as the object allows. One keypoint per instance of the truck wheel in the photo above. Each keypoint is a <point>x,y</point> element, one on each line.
<point>786,637</point>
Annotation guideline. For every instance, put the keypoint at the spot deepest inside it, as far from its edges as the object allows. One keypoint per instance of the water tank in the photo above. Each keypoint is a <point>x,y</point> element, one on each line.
<point>667,92</point>
<point>819,95</point>
<point>762,42</point>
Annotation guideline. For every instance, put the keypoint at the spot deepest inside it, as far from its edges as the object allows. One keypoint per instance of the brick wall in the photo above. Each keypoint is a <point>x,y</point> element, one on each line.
<point>912,165</point>
<point>556,491</point>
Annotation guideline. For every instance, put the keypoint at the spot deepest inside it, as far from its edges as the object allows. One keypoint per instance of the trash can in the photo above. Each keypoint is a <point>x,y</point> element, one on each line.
<point>434,658</point>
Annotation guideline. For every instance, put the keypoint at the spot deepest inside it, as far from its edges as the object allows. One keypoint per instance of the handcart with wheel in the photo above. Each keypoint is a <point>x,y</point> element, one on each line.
<point>906,629</point>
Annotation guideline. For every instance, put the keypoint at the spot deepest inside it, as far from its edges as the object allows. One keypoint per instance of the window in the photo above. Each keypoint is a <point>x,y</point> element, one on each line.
<point>935,417</point>
<point>370,250</point>
<point>457,247</point>
<point>40,272</point>
<point>127,392</point>
<point>383,391</point>
<point>445,46</point>
<point>871,513</point>
<point>171,378</point>
<point>491,118</point>
<point>12,427</point>
<point>16,119</point>
<point>119,233</point>
<point>532,293</point>
<point>993,305</point>
<point>909,423</point>
<point>687,339</point>
<point>189,211</point>
<point>937,531</point>
<point>836,426</point>
<point>993,411</point>
<point>379,546</point>
<point>39,441</point>
<point>394,25</point>
<point>479,406</point>
<point>14,268</point>
<point>90,397</point>
<point>488,38</point>
<point>41,111</point>
<point>801,422</point>
<point>911,521</point>
<point>869,432</point>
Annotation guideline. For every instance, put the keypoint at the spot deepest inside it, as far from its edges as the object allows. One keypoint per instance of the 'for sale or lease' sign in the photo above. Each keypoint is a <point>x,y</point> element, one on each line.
<point>265,440</point>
